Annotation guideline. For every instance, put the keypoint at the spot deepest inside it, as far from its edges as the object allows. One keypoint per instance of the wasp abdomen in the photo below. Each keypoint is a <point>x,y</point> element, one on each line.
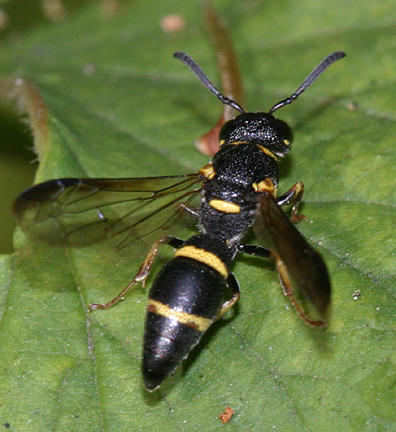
<point>183,302</point>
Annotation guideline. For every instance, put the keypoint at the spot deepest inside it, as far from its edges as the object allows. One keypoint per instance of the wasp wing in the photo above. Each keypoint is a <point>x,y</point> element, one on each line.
<point>80,212</point>
<point>303,263</point>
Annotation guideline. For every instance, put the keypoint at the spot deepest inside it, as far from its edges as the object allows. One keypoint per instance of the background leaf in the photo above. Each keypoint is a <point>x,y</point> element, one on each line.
<point>106,98</point>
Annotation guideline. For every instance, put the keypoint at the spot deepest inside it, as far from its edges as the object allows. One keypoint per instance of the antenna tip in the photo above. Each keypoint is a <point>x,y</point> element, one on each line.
<point>336,55</point>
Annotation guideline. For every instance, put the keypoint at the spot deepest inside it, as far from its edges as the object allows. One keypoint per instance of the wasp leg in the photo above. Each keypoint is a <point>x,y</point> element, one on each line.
<point>233,284</point>
<point>284,279</point>
<point>255,250</point>
<point>293,196</point>
<point>288,291</point>
<point>143,272</point>
<point>190,210</point>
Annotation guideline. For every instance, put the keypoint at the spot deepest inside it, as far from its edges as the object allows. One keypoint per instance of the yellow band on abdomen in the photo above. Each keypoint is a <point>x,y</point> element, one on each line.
<point>194,321</point>
<point>203,256</point>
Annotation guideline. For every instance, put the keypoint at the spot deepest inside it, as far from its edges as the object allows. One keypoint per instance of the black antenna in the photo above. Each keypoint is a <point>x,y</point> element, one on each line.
<point>320,68</point>
<point>192,64</point>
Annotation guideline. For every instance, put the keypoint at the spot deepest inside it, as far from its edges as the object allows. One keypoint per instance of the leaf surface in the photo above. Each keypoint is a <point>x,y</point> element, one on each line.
<point>105,98</point>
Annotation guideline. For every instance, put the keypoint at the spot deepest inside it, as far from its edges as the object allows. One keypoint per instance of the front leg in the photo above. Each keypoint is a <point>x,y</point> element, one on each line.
<point>293,196</point>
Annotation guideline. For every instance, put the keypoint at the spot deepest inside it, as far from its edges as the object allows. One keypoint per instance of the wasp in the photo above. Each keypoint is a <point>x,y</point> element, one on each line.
<point>237,190</point>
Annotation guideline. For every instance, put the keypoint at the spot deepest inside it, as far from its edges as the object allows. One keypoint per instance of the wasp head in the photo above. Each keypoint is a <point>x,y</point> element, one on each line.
<point>259,128</point>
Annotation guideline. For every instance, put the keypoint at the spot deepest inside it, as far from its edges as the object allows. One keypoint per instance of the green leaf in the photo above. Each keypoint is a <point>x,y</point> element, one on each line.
<point>105,98</point>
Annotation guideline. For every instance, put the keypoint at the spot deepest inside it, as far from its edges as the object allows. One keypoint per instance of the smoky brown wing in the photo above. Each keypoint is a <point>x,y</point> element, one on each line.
<point>304,264</point>
<point>80,212</point>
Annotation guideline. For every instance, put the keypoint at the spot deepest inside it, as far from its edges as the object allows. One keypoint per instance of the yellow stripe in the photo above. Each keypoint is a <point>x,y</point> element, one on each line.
<point>267,152</point>
<point>203,256</point>
<point>262,148</point>
<point>194,321</point>
<point>207,171</point>
<point>238,142</point>
<point>224,206</point>
<point>265,185</point>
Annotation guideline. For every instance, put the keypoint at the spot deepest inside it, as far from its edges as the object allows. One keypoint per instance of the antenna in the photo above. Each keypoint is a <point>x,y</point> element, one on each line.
<point>192,64</point>
<point>320,68</point>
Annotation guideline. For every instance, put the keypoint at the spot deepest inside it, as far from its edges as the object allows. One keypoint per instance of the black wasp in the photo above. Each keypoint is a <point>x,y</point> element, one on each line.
<point>238,190</point>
